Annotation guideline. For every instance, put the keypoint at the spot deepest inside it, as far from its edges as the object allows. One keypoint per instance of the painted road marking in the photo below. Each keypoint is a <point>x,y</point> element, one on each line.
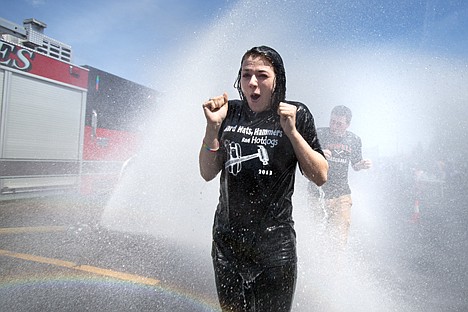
<point>67,264</point>
<point>61,263</point>
<point>85,268</point>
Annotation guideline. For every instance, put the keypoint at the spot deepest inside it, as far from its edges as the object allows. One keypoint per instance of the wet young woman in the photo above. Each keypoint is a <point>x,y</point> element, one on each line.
<point>256,143</point>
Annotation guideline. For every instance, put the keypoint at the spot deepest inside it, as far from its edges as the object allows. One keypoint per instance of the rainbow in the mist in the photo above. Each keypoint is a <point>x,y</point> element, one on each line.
<point>163,195</point>
<point>90,291</point>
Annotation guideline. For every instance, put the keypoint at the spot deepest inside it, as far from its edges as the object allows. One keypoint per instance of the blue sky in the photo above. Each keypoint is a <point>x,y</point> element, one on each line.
<point>122,37</point>
<point>133,38</point>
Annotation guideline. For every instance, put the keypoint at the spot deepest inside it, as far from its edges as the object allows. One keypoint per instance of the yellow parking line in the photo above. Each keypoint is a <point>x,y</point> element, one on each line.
<point>119,275</point>
<point>32,229</point>
<point>28,257</point>
<point>85,268</point>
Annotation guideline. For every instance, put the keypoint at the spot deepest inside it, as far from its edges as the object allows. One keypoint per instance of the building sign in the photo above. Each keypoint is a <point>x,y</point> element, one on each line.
<point>27,60</point>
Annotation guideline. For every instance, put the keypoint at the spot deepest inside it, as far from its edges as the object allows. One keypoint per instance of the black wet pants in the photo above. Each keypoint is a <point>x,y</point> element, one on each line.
<point>268,289</point>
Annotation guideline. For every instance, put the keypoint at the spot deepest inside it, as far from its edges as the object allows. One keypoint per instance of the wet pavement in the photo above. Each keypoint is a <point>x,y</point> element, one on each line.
<point>420,259</point>
<point>55,257</point>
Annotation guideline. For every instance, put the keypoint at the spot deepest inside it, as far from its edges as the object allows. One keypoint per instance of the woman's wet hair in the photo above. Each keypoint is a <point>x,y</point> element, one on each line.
<point>279,94</point>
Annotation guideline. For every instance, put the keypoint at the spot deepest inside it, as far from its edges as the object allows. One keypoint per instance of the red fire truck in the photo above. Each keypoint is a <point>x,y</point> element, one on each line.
<point>63,127</point>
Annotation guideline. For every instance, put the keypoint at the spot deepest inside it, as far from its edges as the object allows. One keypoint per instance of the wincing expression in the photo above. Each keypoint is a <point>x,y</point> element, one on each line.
<point>257,82</point>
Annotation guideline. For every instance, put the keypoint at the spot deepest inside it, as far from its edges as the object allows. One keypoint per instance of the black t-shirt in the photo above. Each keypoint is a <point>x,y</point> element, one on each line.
<point>345,150</point>
<point>253,221</point>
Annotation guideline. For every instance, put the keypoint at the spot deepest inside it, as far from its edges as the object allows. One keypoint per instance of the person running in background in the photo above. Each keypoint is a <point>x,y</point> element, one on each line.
<point>331,203</point>
<point>256,143</point>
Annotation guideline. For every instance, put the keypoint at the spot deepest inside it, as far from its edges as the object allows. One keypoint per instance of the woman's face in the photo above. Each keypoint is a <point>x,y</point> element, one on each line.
<point>257,82</point>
